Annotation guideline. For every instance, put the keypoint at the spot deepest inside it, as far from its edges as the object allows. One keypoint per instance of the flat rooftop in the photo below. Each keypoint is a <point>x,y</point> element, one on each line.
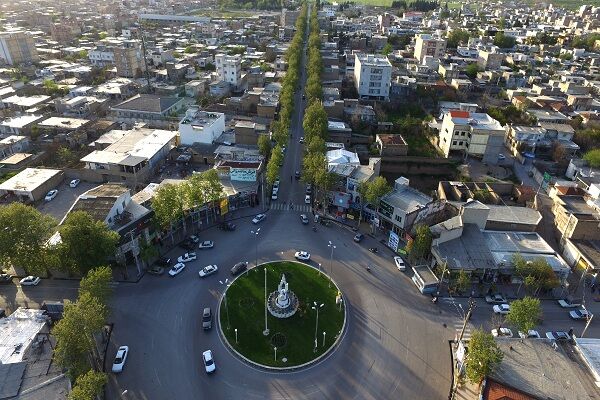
<point>63,123</point>
<point>374,60</point>
<point>17,332</point>
<point>20,121</point>
<point>29,179</point>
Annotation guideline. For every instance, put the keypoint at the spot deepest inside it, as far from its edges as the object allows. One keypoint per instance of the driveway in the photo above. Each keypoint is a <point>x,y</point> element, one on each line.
<point>61,204</point>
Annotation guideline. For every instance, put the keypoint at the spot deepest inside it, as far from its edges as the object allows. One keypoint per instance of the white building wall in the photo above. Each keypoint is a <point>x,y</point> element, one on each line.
<point>190,133</point>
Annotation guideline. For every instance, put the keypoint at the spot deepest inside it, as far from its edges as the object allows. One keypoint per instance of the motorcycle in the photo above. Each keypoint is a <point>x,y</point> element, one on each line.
<point>368,268</point>
<point>314,228</point>
<point>373,250</point>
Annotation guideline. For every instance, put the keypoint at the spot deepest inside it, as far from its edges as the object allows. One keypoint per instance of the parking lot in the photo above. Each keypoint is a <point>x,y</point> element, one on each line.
<point>60,205</point>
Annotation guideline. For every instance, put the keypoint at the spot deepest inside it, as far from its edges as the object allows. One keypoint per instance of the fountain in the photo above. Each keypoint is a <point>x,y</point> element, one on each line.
<point>282,303</point>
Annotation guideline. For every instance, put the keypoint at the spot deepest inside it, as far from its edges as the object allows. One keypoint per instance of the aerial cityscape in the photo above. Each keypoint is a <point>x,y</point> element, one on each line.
<point>307,200</point>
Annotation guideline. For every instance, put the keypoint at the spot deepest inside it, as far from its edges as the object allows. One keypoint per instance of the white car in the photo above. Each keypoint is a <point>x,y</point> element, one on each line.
<point>558,335</point>
<point>502,332</point>
<point>194,239</point>
<point>208,270</point>
<point>502,309</point>
<point>579,314</point>
<point>302,255</point>
<point>74,183</point>
<point>177,268</point>
<point>301,139</point>
<point>567,304</point>
<point>209,362</point>
<point>30,281</point>
<point>258,218</point>
<point>51,194</point>
<point>187,257</point>
<point>207,244</point>
<point>307,199</point>
<point>501,157</point>
<point>531,334</point>
<point>274,196</point>
<point>120,359</point>
<point>399,263</point>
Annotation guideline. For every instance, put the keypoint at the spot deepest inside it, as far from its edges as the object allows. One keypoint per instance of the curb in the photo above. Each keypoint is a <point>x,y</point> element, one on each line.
<point>315,361</point>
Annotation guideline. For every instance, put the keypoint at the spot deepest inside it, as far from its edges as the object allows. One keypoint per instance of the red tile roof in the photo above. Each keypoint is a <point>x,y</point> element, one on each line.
<point>497,391</point>
<point>459,114</point>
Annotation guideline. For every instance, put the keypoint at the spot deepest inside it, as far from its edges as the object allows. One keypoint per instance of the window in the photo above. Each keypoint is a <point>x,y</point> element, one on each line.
<point>376,70</point>
<point>462,134</point>
<point>460,143</point>
<point>375,84</point>
<point>454,143</point>
<point>398,218</point>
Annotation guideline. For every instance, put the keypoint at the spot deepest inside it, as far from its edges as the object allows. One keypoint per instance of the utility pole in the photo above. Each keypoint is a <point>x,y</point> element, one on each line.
<point>144,55</point>
<point>472,305</point>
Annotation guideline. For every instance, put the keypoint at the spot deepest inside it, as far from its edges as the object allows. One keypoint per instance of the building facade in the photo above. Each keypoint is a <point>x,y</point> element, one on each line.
<point>429,45</point>
<point>18,47</point>
<point>372,76</point>
<point>229,69</point>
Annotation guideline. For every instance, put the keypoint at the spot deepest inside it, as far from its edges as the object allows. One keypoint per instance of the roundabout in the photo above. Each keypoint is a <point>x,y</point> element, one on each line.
<point>302,321</point>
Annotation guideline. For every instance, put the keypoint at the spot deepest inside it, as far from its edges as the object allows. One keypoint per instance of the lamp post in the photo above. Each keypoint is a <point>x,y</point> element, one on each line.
<point>330,262</point>
<point>323,338</point>
<point>226,284</point>
<point>255,245</point>
<point>319,269</point>
<point>266,331</point>
<point>317,307</point>
<point>275,348</point>
<point>236,335</point>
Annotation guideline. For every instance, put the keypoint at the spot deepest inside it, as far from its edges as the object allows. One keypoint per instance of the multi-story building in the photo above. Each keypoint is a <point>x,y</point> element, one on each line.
<point>229,69</point>
<point>101,56</point>
<point>289,17</point>
<point>372,76</point>
<point>200,126</point>
<point>17,47</point>
<point>128,59</point>
<point>490,59</point>
<point>475,134</point>
<point>429,45</point>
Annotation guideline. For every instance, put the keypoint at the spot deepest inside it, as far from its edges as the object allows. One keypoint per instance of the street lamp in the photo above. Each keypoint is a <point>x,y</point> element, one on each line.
<point>317,307</point>
<point>226,284</point>
<point>236,335</point>
<point>319,269</point>
<point>256,245</point>
<point>275,348</point>
<point>330,262</point>
<point>266,331</point>
<point>323,338</point>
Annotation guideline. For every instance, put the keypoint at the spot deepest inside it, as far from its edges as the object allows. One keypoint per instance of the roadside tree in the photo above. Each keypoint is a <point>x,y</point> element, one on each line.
<point>483,356</point>
<point>524,313</point>
<point>88,386</point>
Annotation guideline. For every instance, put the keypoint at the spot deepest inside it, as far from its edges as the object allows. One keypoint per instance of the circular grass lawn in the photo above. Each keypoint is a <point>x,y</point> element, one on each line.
<point>294,337</point>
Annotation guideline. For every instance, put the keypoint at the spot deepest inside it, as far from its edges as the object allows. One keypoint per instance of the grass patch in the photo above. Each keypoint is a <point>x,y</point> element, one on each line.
<point>8,175</point>
<point>295,335</point>
<point>420,146</point>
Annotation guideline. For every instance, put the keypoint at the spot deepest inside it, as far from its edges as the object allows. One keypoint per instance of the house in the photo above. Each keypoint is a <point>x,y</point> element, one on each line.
<point>20,124</point>
<point>391,145</point>
<point>540,141</point>
<point>475,134</point>
<point>576,213</point>
<point>31,184</point>
<point>372,76</point>
<point>151,109</point>
<point>13,144</point>
<point>490,60</point>
<point>128,157</point>
<point>229,69</point>
<point>200,126</point>
<point>429,45</point>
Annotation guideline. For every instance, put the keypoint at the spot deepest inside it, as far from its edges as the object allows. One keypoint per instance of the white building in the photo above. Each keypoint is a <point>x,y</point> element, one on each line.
<point>429,45</point>
<point>200,126</point>
<point>475,134</point>
<point>372,76</point>
<point>229,69</point>
<point>101,56</point>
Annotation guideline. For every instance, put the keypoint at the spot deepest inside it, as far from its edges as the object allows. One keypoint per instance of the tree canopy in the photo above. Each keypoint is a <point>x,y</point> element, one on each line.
<point>88,386</point>
<point>524,313</point>
<point>483,356</point>
<point>537,274</point>
<point>456,37</point>
<point>420,247</point>
<point>593,158</point>
<point>373,191</point>
<point>503,41</point>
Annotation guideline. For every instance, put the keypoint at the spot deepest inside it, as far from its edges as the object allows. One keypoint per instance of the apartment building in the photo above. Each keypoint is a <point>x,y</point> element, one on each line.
<point>429,45</point>
<point>475,134</point>
<point>17,47</point>
<point>101,56</point>
<point>372,76</point>
<point>128,59</point>
<point>490,59</point>
<point>289,17</point>
<point>200,126</point>
<point>229,69</point>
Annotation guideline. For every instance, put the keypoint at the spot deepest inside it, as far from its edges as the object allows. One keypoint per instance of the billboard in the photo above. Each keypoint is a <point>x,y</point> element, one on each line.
<point>242,174</point>
<point>393,241</point>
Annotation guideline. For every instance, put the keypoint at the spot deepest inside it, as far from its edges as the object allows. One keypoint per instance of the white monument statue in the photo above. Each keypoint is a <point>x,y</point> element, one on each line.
<point>283,300</point>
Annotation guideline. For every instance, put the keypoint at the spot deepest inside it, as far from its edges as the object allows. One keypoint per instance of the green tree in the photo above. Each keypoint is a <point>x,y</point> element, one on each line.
<point>189,50</point>
<point>462,282</point>
<point>387,49</point>
<point>65,155</point>
<point>483,356</point>
<point>88,386</point>
<point>274,164</point>
<point>264,146</point>
<point>536,274</point>
<point>420,247</point>
<point>23,235</point>
<point>593,158</point>
<point>372,191</point>
<point>524,313</point>
<point>315,121</point>
<point>86,243</point>
<point>503,41</point>
<point>97,284</point>
<point>472,70</point>
<point>147,250</point>
<point>456,37</point>
<point>316,145</point>
<point>168,205</point>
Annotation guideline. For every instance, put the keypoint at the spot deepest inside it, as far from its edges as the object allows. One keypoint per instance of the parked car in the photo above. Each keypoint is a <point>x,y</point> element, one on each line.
<point>399,263</point>
<point>304,219</point>
<point>302,256</point>
<point>228,226</point>
<point>301,139</point>
<point>564,303</point>
<point>495,299</point>
<point>51,194</point>
<point>74,183</point>
<point>187,257</point>
<point>558,335</point>
<point>239,268</point>
<point>258,218</point>
<point>358,237</point>
<point>156,270</point>
<point>501,157</point>
<point>307,199</point>
<point>308,189</point>
<point>502,332</point>
<point>208,270</point>
<point>5,278</point>
<point>531,334</point>
<point>187,244</point>
<point>194,239</point>
<point>373,250</point>
<point>30,281</point>
<point>206,319</point>
<point>297,174</point>
<point>120,359</point>
<point>502,309</point>
<point>274,196</point>
<point>207,244</point>
<point>579,314</point>
<point>209,362</point>
<point>176,269</point>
